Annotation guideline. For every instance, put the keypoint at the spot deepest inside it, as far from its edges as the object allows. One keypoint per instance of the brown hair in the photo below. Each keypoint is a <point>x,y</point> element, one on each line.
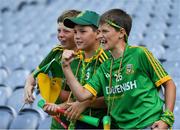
<point>118,17</point>
<point>68,13</point>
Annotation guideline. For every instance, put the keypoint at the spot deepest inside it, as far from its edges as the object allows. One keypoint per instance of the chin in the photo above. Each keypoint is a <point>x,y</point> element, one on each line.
<point>105,47</point>
<point>80,47</point>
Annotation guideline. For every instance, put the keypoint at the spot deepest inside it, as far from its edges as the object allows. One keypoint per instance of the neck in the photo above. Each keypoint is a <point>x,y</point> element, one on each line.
<point>90,52</point>
<point>118,50</point>
<point>75,49</point>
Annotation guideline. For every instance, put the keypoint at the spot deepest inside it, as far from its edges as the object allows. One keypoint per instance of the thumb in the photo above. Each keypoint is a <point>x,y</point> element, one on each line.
<point>155,125</point>
<point>70,103</point>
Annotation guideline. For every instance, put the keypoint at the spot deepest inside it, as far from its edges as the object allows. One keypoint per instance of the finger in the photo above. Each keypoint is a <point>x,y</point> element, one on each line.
<point>51,108</point>
<point>29,96</point>
<point>77,116</point>
<point>54,108</point>
<point>68,112</point>
<point>73,115</point>
<point>69,115</point>
<point>156,128</point>
<point>154,125</point>
<point>70,103</point>
<point>45,108</point>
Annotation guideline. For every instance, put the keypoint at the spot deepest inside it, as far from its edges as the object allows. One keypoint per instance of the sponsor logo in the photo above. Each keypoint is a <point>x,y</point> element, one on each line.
<point>130,85</point>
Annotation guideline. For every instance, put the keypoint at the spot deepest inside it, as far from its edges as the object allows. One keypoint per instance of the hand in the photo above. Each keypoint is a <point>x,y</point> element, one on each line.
<point>67,57</point>
<point>75,110</point>
<point>159,125</point>
<point>51,108</point>
<point>28,90</point>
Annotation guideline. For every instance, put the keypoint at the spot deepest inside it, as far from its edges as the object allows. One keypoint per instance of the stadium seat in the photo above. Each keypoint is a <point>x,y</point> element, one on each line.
<point>17,78</point>
<point>5,93</point>
<point>7,114</point>
<point>26,119</point>
<point>16,100</point>
<point>3,74</point>
<point>32,62</point>
<point>15,62</point>
<point>45,124</point>
<point>177,115</point>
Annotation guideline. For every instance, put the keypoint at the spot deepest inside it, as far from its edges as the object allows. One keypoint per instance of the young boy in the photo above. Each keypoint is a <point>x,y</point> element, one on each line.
<point>66,37</point>
<point>129,81</point>
<point>92,55</point>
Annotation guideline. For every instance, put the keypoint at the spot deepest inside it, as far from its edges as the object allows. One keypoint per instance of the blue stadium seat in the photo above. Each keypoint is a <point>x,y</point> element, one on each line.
<point>45,124</point>
<point>177,115</point>
<point>16,100</point>
<point>17,78</point>
<point>3,74</point>
<point>26,119</point>
<point>172,68</point>
<point>15,62</point>
<point>7,114</point>
<point>5,93</point>
<point>32,62</point>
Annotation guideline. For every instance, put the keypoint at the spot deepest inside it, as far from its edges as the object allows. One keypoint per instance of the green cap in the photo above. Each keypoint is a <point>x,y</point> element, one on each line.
<point>85,18</point>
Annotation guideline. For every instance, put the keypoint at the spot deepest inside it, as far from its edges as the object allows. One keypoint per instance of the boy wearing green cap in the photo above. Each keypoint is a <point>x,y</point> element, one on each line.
<point>92,55</point>
<point>129,80</point>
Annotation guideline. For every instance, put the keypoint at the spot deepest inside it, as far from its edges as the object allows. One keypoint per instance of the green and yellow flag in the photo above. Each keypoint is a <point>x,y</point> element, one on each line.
<point>49,86</point>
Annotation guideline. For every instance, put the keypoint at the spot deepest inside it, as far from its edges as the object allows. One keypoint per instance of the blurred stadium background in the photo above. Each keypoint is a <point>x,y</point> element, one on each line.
<point>28,32</point>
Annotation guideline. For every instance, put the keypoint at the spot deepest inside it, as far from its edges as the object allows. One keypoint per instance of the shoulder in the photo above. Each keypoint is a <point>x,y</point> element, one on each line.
<point>103,55</point>
<point>58,47</point>
<point>139,50</point>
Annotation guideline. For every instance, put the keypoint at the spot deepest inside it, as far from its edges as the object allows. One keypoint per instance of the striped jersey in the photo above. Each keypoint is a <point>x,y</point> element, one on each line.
<point>87,69</point>
<point>132,98</point>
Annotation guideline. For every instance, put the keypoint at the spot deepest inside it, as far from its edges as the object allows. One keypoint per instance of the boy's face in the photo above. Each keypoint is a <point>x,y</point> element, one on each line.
<point>108,36</point>
<point>85,37</point>
<point>66,36</point>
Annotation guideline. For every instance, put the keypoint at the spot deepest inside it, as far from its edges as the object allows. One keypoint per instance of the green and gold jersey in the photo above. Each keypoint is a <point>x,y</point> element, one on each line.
<point>56,73</point>
<point>133,97</point>
<point>87,68</point>
<point>56,54</point>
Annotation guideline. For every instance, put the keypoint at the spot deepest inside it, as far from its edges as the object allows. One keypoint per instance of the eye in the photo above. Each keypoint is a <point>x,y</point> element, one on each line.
<point>105,31</point>
<point>82,31</point>
<point>59,30</point>
<point>66,31</point>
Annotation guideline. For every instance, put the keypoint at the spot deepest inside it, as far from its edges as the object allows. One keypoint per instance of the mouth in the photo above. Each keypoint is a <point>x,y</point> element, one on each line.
<point>78,43</point>
<point>103,41</point>
<point>63,42</point>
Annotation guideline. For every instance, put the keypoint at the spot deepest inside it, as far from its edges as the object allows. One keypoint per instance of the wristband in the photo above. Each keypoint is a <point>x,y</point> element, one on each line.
<point>168,117</point>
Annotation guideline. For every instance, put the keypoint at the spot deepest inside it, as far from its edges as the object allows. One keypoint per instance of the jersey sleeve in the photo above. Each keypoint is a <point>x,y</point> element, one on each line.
<point>153,67</point>
<point>55,53</point>
<point>94,84</point>
<point>51,55</point>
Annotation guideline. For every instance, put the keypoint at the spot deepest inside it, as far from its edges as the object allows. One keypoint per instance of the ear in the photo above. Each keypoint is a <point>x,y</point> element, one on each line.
<point>122,33</point>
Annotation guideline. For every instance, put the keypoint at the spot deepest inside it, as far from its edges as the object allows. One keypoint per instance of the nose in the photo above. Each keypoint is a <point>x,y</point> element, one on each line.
<point>60,34</point>
<point>76,36</point>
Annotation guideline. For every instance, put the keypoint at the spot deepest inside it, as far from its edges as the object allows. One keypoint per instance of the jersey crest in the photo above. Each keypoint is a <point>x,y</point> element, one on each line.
<point>129,69</point>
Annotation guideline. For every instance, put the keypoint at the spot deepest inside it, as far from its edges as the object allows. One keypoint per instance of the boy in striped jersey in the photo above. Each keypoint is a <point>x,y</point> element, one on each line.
<point>129,81</point>
<point>91,56</point>
<point>66,37</point>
